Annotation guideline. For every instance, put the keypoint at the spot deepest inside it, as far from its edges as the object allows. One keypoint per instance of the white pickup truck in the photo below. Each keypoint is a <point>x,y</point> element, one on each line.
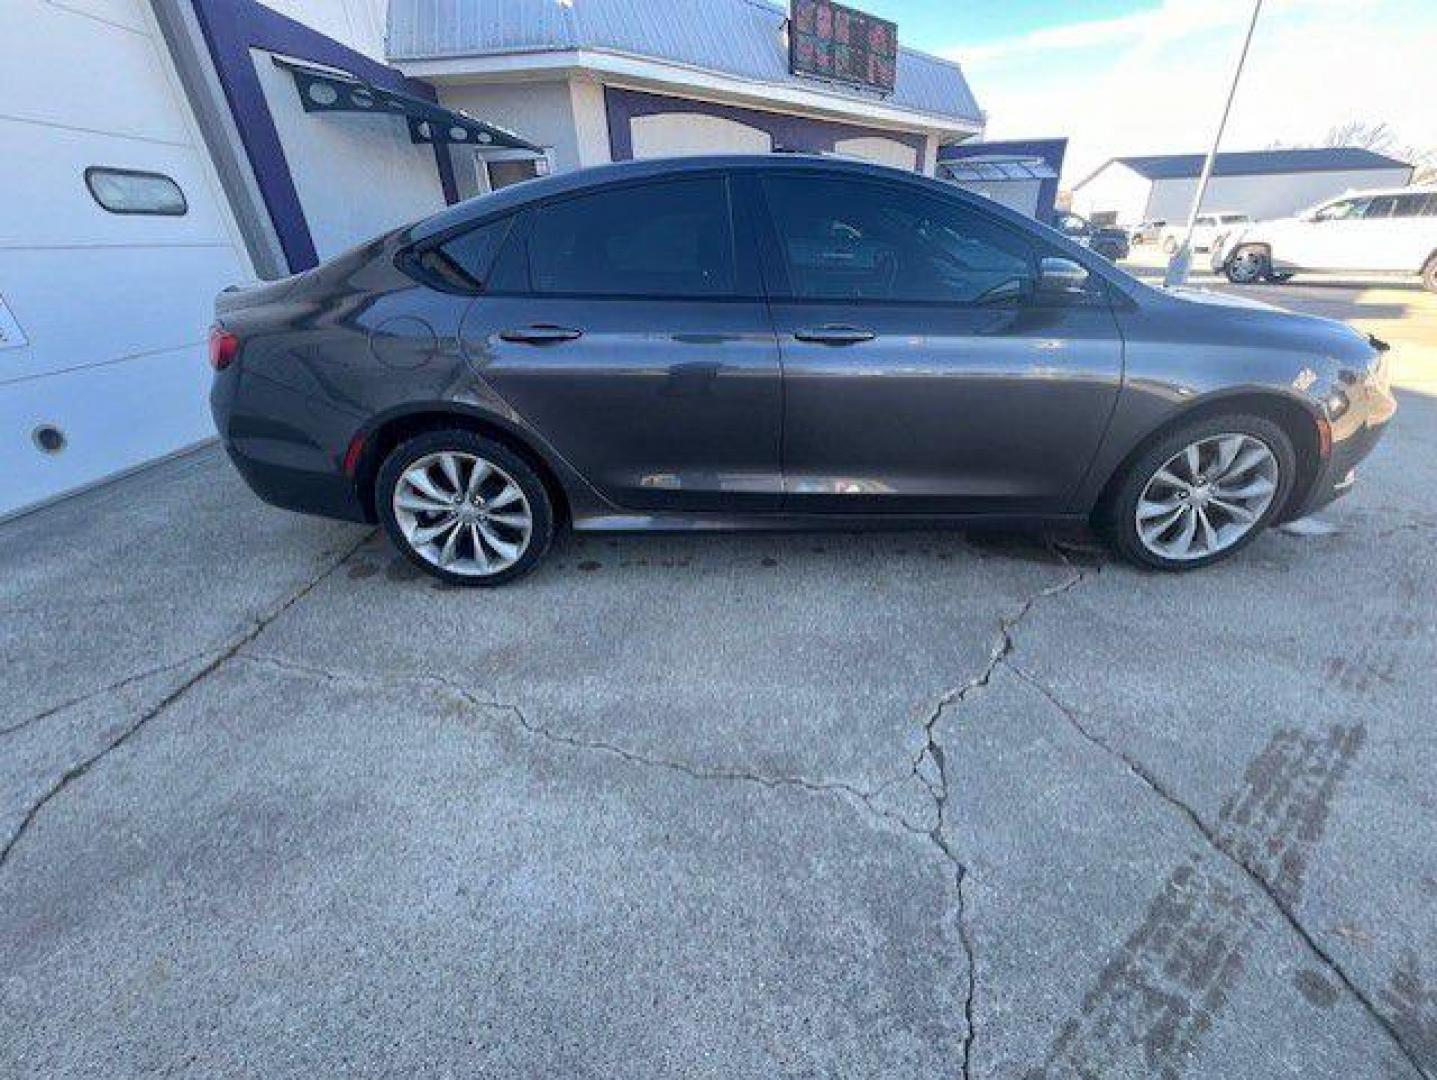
<point>1390,231</point>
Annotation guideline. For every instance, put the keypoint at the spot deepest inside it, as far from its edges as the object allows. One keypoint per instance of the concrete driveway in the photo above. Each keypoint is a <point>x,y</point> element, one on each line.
<point>883,806</point>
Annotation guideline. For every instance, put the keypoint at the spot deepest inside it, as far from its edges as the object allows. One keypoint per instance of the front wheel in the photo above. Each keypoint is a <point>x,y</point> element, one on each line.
<point>463,508</point>
<point>1247,264</point>
<point>1202,493</point>
<point>1429,274</point>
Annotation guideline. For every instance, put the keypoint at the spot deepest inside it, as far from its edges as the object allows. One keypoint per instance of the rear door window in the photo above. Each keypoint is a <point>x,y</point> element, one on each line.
<point>1419,204</point>
<point>669,239</point>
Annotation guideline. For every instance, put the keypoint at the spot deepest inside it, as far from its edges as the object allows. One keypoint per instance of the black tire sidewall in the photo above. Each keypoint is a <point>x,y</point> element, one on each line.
<point>1119,518</point>
<point>1232,262</point>
<point>432,442</point>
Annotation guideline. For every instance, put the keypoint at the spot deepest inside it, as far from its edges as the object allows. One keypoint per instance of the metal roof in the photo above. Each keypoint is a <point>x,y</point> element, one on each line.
<point>1258,163</point>
<point>742,38</point>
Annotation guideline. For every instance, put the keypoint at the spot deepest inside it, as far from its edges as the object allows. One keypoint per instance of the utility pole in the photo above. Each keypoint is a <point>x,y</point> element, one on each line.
<point>1182,258</point>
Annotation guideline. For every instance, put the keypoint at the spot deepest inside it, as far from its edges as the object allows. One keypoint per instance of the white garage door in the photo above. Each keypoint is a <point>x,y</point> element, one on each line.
<point>682,134</point>
<point>103,365</point>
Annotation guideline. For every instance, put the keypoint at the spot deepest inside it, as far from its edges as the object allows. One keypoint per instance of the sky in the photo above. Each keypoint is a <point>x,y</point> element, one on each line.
<point>1148,76</point>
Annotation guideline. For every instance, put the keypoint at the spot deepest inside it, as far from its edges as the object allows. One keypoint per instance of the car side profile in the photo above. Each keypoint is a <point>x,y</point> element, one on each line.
<point>1147,232</point>
<point>1109,241</point>
<point>774,342</point>
<point>1387,231</point>
<point>1206,229</point>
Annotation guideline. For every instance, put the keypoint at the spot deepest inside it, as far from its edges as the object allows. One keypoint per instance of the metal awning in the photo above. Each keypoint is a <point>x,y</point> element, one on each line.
<point>330,90</point>
<point>996,167</point>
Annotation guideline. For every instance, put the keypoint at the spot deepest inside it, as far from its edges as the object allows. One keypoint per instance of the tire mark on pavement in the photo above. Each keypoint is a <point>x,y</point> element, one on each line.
<point>1413,1002</point>
<point>1153,1001</point>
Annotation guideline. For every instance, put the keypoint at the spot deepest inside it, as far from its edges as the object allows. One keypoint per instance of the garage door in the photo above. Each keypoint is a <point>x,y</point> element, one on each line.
<point>114,239</point>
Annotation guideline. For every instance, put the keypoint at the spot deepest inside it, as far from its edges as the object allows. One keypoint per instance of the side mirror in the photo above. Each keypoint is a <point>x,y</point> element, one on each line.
<point>1059,277</point>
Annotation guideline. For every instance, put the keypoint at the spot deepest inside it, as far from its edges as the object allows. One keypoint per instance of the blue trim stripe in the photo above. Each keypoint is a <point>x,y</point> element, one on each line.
<point>231,29</point>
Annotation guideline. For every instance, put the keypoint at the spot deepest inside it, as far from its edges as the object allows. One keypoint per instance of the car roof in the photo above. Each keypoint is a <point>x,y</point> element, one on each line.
<point>518,195</point>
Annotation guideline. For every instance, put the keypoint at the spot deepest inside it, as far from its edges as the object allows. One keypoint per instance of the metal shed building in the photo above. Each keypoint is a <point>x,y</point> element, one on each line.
<point>1264,183</point>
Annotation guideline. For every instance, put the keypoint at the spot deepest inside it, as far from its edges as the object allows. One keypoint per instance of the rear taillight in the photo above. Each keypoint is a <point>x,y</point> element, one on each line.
<point>224,347</point>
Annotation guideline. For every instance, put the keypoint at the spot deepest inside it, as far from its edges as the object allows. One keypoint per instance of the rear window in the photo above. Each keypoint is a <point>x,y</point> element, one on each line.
<point>461,264</point>
<point>663,239</point>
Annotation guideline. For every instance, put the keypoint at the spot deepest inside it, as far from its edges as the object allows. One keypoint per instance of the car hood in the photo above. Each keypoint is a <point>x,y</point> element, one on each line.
<point>1207,296</point>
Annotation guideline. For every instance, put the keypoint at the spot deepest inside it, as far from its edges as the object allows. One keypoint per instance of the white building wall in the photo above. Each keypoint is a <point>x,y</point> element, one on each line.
<point>112,309</point>
<point>591,122</point>
<point>542,112</point>
<point>880,150</point>
<point>1115,189</point>
<point>681,134</point>
<point>357,175</point>
<point>358,24</point>
<point>1270,196</point>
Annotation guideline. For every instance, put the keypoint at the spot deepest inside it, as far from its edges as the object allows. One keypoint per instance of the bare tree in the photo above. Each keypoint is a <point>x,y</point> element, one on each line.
<point>1378,137</point>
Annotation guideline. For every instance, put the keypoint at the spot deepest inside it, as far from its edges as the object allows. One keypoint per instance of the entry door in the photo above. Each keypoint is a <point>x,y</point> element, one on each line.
<point>627,326</point>
<point>922,372</point>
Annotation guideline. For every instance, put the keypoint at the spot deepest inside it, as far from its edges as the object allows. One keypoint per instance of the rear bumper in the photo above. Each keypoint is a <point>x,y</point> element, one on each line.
<point>278,463</point>
<point>303,491</point>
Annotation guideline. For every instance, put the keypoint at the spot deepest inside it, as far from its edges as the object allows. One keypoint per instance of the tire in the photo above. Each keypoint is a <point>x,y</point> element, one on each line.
<point>1157,545</point>
<point>1247,265</point>
<point>1429,274</point>
<point>1170,246</point>
<point>501,524</point>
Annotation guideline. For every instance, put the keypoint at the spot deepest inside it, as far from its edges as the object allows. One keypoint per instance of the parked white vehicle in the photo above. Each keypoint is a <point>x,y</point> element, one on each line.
<point>1389,231</point>
<point>1206,229</point>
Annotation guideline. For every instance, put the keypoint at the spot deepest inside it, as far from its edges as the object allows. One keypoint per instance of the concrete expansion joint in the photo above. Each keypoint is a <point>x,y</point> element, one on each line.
<point>1245,869</point>
<point>224,653</point>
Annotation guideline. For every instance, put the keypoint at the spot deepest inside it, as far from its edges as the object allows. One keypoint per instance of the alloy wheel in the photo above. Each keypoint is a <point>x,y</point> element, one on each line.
<point>1247,265</point>
<point>463,513</point>
<point>1207,496</point>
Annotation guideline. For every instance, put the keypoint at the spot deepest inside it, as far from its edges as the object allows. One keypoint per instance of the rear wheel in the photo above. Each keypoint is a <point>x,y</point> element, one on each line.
<point>1429,274</point>
<point>1202,493</point>
<point>1249,263</point>
<point>463,508</point>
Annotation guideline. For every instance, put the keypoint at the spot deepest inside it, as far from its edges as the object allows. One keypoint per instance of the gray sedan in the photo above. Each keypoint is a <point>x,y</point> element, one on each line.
<point>779,343</point>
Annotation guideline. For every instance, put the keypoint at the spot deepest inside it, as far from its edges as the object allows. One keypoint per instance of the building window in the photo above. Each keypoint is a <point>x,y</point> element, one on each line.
<point>128,191</point>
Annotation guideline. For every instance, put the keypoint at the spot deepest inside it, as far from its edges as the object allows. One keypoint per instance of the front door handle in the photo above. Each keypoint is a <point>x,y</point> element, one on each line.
<point>835,335</point>
<point>541,334</point>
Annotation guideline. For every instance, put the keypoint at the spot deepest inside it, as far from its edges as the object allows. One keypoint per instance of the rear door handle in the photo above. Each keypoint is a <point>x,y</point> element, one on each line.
<point>541,334</point>
<point>835,335</point>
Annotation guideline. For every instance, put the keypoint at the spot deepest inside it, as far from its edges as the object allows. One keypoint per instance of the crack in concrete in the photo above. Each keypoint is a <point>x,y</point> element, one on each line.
<point>80,768</point>
<point>519,718</point>
<point>119,684</point>
<point>932,751</point>
<point>1249,872</point>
